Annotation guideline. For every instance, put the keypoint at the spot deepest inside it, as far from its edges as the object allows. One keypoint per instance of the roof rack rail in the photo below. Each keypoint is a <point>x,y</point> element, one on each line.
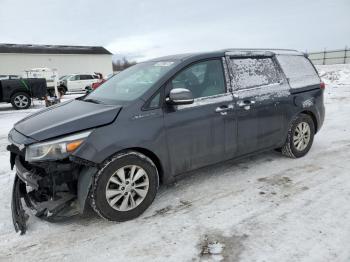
<point>276,51</point>
<point>279,49</point>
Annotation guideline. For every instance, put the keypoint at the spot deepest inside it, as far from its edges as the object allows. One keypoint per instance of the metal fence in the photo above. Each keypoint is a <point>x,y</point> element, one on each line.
<point>330,57</point>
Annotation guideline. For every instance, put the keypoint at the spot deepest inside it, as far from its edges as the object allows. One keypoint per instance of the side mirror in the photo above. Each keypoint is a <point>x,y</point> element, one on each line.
<point>180,96</point>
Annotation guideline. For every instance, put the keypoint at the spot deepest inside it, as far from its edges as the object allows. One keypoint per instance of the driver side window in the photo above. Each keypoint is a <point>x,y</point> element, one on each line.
<point>202,79</point>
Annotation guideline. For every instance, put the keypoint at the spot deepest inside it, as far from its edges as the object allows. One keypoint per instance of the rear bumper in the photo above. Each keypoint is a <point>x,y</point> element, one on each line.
<point>320,115</point>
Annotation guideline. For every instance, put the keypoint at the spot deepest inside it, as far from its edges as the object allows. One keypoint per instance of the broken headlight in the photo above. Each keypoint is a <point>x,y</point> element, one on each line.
<point>55,149</point>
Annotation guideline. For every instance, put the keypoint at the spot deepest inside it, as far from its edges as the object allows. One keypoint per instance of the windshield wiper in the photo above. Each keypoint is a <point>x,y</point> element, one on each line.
<point>91,100</point>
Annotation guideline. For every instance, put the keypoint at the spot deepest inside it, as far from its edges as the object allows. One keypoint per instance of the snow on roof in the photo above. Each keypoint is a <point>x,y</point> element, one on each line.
<point>262,51</point>
<point>231,51</point>
<point>52,49</point>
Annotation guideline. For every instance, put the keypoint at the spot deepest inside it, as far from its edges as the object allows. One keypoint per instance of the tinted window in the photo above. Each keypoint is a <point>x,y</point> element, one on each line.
<point>202,79</point>
<point>85,77</point>
<point>298,70</point>
<point>252,72</point>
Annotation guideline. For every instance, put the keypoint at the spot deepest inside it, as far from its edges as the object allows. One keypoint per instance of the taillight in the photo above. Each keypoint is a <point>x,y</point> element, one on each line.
<point>322,85</point>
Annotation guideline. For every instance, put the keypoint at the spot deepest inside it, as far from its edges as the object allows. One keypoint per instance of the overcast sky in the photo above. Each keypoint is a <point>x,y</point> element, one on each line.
<point>145,29</point>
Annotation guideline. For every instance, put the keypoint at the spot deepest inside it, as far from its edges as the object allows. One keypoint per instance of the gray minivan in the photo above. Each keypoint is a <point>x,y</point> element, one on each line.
<point>159,119</point>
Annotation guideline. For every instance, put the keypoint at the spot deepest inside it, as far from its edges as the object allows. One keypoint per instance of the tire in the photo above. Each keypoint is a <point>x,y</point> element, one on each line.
<point>300,137</point>
<point>50,92</point>
<point>114,208</point>
<point>62,90</point>
<point>88,90</point>
<point>21,100</point>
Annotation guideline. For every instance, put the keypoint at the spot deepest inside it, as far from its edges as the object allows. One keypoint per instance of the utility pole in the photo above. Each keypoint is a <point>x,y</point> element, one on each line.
<point>346,49</point>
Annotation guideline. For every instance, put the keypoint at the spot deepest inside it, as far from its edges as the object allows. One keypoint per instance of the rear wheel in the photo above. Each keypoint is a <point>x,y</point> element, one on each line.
<point>300,137</point>
<point>21,100</point>
<point>125,187</point>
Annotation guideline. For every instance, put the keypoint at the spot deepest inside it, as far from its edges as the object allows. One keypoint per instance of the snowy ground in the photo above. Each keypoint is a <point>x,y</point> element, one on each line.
<point>264,208</point>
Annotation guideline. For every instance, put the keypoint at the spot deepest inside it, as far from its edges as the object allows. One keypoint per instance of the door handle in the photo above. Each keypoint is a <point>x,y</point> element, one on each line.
<point>223,109</point>
<point>245,103</point>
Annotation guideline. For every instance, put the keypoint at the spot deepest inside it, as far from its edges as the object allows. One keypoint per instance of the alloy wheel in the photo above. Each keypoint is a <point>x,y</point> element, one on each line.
<point>302,135</point>
<point>127,188</point>
<point>21,101</point>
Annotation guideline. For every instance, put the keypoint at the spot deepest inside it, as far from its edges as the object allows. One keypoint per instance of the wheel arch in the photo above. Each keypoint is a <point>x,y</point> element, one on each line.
<point>86,177</point>
<point>151,155</point>
<point>313,117</point>
<point>16,91</point>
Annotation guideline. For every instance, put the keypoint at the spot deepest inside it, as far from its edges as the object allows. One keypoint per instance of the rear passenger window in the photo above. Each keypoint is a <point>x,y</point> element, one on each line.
<point>253,72</point>
<point>85,77</point>
<point>298,70</point>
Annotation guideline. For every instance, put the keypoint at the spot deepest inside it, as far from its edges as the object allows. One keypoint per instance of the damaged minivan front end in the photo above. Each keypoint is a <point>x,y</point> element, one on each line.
<point>47,177</point>
<point>50,179</point>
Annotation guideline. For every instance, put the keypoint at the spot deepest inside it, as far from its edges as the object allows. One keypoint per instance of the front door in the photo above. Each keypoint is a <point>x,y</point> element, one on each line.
<point>198,134</point>
<point>74,83</point>
<point>259,93</point>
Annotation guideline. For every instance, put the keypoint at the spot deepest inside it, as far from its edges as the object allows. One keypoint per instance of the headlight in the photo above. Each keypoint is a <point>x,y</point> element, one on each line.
<point>55,149</point>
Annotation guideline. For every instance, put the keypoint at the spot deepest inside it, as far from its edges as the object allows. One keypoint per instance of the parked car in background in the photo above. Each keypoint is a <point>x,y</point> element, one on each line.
<point>97,84</point>
<point>157,120</point>
<point>102,80</point>
<point>61,78</point>
<point>77,82</point>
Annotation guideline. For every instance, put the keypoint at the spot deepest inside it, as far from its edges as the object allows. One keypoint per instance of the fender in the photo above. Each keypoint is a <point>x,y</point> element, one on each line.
<point>84,185</point>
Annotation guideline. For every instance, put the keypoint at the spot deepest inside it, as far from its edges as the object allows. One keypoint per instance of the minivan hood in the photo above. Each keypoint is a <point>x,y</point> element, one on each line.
<point>66,118</point>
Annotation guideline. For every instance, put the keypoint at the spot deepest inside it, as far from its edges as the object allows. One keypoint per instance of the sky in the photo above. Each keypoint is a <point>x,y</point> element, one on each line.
<point>140,30</point>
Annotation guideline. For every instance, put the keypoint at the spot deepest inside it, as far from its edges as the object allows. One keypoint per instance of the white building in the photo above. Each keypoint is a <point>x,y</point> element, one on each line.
<point>16,59</point>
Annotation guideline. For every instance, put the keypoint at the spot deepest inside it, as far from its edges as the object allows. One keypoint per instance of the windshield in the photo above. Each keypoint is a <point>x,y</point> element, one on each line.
<point>64,77</point>
<point>130,83</point>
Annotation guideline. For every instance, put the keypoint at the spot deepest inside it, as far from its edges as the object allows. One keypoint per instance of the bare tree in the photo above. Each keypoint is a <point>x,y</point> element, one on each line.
<point>120,65</point>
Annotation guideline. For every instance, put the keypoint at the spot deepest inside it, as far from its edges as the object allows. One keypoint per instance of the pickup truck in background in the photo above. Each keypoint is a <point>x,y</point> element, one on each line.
<point>19,92</point>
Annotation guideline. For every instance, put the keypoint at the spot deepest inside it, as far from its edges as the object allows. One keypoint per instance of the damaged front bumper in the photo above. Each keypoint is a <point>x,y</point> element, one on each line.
<point>52,190</point>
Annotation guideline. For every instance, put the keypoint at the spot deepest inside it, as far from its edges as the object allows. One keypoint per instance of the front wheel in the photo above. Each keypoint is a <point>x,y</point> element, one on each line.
<point>300,137</point>
<point>124,187</point>
<point>62,90</point>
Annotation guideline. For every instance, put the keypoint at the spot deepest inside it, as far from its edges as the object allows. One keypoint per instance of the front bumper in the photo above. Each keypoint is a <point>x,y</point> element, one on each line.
<point>31,188</point>
<point>29,178</point>
<point>51,190</point>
